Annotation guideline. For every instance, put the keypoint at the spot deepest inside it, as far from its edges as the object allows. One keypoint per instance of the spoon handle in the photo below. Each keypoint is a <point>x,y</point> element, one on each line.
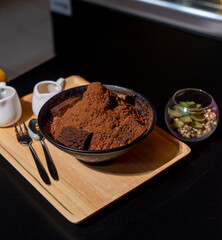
<point>50,163</point>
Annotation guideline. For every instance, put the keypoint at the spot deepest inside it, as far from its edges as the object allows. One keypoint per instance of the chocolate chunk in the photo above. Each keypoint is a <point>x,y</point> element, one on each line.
<point>75,138</point>
<point>61,108</point>
<point>126,96</point>
<point>128,133</point>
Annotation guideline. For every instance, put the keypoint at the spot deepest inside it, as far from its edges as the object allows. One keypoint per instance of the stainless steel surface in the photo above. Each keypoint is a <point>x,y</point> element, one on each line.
<point>24,139</point>
<point>197,16</point>
<point>33,126</point>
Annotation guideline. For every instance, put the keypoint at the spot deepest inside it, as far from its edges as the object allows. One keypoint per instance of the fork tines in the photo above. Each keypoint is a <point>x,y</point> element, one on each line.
<point>20,131</point>
<point>22,135</point>
<point>24,139</point>
<point>16,130</point>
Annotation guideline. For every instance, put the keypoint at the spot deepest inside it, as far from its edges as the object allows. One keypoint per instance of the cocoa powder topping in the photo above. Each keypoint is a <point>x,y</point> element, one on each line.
<point>112,121</point>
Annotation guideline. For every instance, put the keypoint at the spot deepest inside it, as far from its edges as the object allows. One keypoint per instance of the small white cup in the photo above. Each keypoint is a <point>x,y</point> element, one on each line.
<point>45,90</point>
<point>10,105</point>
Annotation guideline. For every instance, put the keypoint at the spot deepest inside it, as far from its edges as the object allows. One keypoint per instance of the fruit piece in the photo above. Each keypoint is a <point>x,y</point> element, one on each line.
<point>178,124</point>
<point>178,108</point>
<point>184,104</point>
<point>190,104</point>
<point>196,124</point>
<point>198,105</point>
<point>3,77</point>
<point>196,113</point>
<point>186,119</point>
<point>199,118</point>
<point>187,104</point>
<point>174,113</point>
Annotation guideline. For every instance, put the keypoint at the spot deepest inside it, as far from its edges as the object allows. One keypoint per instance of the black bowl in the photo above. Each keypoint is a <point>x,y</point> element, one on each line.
<point>94,156</point>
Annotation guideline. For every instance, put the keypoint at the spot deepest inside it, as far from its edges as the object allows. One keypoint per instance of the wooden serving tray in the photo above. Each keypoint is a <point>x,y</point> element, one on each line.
<point>83,190</point>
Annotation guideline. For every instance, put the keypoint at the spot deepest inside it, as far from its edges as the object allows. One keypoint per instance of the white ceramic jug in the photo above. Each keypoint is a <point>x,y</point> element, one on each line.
<point>45,90</point>
<point>10,106</point>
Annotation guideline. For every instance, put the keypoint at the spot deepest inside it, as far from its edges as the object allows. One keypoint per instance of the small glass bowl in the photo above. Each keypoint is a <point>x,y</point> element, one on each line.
<point>191,115</point>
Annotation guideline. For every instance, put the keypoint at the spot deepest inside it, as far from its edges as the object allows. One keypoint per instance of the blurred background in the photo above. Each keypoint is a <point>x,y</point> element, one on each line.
<point>25,35</point>
<point>32,32</point>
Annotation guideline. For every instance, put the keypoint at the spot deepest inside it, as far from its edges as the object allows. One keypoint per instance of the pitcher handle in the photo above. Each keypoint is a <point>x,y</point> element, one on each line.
<point>61,82</point>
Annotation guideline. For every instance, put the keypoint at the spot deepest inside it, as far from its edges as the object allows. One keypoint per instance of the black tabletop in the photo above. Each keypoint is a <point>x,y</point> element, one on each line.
<point>183,202</point>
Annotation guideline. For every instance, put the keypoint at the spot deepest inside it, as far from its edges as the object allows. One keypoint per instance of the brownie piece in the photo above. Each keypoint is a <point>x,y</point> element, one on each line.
<point>75,138</point>
<point>60,109</point>
<point>126,96</point>
<point>128,133</point>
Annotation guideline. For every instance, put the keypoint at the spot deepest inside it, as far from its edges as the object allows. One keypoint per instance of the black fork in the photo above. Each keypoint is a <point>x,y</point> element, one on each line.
<point>24,139</point>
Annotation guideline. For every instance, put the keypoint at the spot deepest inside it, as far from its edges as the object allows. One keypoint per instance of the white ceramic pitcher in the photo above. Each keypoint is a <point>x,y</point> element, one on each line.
<point>45,90</point>
<point>10,105</point>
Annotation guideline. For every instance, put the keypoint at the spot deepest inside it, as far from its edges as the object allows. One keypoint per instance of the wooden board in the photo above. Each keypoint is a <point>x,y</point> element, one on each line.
<point>83,190</point>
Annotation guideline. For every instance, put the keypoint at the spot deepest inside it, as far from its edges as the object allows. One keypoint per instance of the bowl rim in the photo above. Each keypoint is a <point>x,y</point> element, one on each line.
<point>137,140</point>
<point>194,90</point>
